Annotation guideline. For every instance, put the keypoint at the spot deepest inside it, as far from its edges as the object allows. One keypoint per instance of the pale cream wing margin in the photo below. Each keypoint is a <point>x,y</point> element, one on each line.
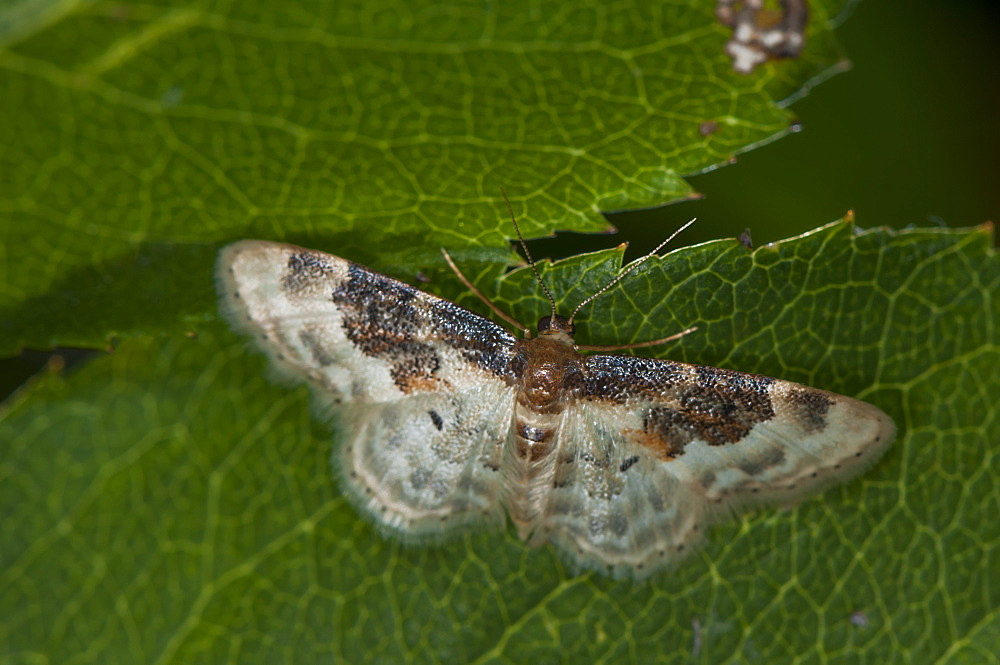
<point>425,401</point>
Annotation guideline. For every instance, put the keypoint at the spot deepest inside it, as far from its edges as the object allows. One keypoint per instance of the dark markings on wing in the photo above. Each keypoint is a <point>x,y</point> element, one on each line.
<point>304,268</point>
<point>378,317</point>
<point>769,459</point>
<point>809,408</point>
<point>685,402</point>
<point>628,463</point>
<point>381,321</point>
<point>667,431</point>
<point>724,405</point>
<point>415,367</point>
<point>390,320</point>
<point>479,340</point>
<point>420,478</point>
<point>436,419</point>
<point>312,341</point>
<point>620,379</point>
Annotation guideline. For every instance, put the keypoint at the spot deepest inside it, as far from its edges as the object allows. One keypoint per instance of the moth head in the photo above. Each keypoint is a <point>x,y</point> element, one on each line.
<point>556,325</point>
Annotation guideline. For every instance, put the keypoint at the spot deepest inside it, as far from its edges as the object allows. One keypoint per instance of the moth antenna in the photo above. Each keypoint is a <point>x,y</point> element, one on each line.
<point>527,254</point>
<point>635,345</point>
<point>630,269</point>
<point>479,294</point>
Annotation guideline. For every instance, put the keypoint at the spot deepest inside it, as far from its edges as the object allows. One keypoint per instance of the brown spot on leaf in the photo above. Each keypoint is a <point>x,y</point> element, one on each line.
<point>708,127</point>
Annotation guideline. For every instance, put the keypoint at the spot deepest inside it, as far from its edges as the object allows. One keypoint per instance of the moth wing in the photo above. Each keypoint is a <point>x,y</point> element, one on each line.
<point>428,463</point>
<point>611,507</point>
<point>654,451</point>
<point>426,402</point>
<point>354,334</point>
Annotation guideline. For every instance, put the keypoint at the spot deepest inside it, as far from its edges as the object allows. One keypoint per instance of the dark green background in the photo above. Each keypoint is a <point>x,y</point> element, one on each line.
<point>906,137</point>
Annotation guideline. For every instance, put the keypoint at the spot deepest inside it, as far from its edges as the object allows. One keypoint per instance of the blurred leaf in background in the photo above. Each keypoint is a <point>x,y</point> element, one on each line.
<point>903,138</point>
<point>139,138</point>
<point>166,503</point>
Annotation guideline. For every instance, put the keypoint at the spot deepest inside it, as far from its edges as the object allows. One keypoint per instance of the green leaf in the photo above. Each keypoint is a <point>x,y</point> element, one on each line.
<point>138,138</point>
<point>167,504</point>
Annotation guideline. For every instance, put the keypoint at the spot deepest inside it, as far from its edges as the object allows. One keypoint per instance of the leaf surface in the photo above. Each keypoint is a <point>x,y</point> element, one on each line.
<point>168,504</point>
<point>139,138</point>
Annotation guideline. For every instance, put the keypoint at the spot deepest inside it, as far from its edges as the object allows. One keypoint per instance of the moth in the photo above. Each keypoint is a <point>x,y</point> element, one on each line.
<point>447,420</point>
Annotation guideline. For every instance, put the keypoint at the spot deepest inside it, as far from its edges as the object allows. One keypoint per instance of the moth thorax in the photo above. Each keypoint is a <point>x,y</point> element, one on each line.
<point>549,369</point>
